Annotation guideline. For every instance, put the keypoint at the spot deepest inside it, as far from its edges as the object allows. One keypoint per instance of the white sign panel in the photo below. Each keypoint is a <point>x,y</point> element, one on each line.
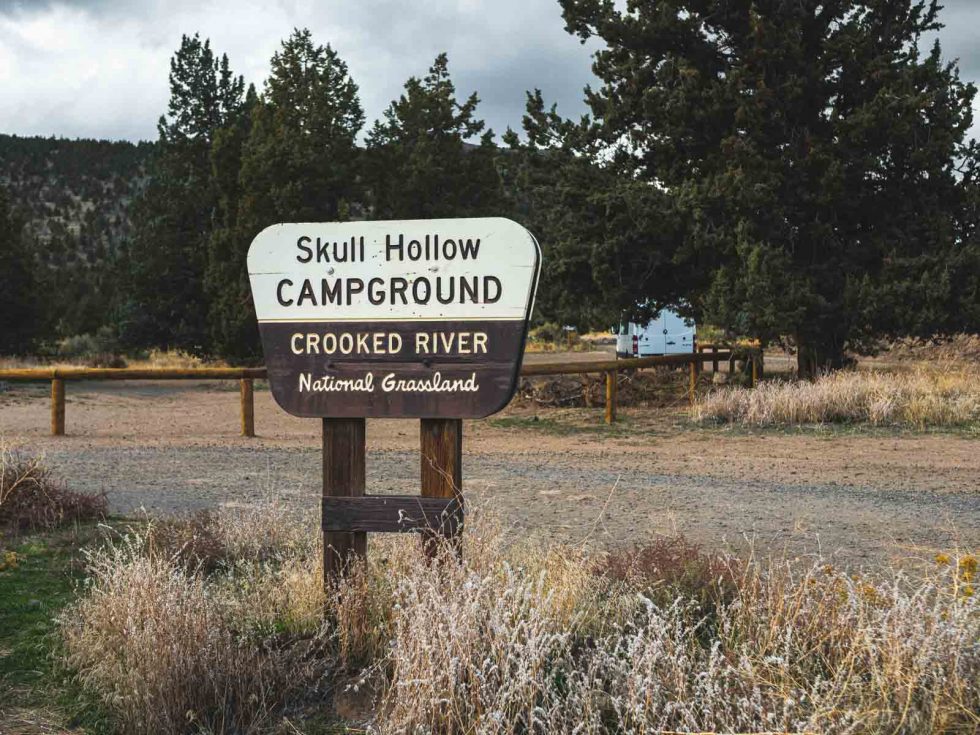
<point>400,318</point>
<point>481,268</point>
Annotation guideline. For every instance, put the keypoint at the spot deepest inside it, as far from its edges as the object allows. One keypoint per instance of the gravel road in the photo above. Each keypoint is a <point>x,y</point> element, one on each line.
<point>174,447</point>
<point>612,502</point>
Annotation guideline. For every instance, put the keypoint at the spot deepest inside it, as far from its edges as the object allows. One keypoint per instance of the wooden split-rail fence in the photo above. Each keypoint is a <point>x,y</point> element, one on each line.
<point>246,377</point>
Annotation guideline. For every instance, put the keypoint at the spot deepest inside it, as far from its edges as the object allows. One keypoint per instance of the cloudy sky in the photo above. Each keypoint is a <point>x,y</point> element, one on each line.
<point>98,68</point>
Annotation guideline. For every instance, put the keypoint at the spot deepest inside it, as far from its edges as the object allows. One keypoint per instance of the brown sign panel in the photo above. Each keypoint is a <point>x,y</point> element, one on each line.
<point>418,318</point>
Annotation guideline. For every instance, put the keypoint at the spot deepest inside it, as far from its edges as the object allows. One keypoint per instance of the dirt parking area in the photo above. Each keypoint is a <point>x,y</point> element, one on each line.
<point>861,496</point>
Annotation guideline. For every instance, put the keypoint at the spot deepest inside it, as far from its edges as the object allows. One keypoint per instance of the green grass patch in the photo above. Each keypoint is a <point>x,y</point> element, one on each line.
<point>34,589</point>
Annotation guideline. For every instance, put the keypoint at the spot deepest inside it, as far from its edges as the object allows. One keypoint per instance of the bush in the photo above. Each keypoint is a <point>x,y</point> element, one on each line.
<point>93,350</point>
<point>652,387</point>
<point>547,332</point>
<point>104,340</point>
<point>207,540</point>
<point>193,542</point>
<point>521,638</point>
<point>30,498</point>
<point>163,651</point>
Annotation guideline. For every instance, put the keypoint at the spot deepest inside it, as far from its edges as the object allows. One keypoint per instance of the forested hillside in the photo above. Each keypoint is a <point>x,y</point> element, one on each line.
<point>72,199</point>
<point>76,190</point>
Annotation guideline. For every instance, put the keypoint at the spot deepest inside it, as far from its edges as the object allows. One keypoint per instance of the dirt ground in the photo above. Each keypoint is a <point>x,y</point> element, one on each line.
<point>862,496</point>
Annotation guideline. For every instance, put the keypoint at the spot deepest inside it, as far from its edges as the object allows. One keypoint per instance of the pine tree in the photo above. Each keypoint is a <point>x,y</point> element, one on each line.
<point>165,303</point>
<point>298,163</point>
<point>810,150</point>
<point>20,312</point>
<point>418,163</point>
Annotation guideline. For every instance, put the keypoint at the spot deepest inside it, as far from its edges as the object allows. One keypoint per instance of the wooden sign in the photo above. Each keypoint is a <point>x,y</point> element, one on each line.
<point>415,318</point>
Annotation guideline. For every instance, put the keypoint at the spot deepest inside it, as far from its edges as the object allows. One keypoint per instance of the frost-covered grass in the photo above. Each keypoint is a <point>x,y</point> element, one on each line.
<point>231,631</point>
<point>920,397</point>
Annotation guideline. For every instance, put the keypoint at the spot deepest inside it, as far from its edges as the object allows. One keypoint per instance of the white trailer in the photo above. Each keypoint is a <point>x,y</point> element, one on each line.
<point>667,334</point>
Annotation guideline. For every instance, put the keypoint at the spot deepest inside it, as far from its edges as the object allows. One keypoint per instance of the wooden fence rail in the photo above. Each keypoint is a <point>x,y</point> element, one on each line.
<point>248,376</point>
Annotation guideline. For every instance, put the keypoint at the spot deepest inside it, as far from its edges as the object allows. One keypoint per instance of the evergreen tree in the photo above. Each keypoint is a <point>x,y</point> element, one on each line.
<point>20,300</point>
<point>608,239</point>
<point>298,163</point>
<point>809,149</point>
<point>230,323</point>
<point>418,163</point>
<point>165,304</point>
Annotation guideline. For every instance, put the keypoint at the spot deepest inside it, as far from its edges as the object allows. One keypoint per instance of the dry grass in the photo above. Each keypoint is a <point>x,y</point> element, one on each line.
<point>956,348</point>
<point>171,359</point>
<point>154,359</point>
<point>526,638</point>
<point>920,397</point>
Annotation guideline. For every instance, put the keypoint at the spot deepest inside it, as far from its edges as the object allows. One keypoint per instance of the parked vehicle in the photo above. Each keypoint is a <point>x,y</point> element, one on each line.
<point>667,334</point>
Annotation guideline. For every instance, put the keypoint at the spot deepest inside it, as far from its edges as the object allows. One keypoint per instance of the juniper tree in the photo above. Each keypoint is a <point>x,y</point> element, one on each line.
<point>165,304</point>
<point>298,164</point>
<point>418,162</point>
<point>812,151</point>
<point>608,239</point>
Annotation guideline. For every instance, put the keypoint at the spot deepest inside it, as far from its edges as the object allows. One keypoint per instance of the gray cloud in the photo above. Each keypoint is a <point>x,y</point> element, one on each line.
<point>98,68</point>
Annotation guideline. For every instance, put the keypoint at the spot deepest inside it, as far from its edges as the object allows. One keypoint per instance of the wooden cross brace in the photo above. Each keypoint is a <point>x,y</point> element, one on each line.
<point>349,515</point>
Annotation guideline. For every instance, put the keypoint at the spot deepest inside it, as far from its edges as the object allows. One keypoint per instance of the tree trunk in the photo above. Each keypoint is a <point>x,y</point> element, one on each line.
<point>815,357</point>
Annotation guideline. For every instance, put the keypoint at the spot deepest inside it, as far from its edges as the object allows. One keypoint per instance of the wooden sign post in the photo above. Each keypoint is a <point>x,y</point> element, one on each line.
<point>404,319</point>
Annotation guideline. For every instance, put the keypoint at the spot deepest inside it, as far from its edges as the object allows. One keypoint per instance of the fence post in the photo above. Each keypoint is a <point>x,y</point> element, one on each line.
<point>57,407</point>
<point>693,380</point>
<point>442,474</point>
<point>714,358</point>
<point>753,369</point>
<point>247,389</point>
<point>612,389</point>
<point>343,475</point>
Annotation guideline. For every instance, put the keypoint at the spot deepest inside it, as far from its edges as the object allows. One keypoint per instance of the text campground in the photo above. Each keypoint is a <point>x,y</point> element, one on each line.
<point>394,290</point>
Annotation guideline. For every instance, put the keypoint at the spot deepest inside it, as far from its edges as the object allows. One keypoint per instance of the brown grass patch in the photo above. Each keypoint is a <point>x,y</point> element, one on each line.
<point>32,498</point>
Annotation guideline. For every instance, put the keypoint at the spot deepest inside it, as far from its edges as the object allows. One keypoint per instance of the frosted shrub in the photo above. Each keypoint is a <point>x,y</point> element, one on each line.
<point>472,652</point>
<point>823,654</point>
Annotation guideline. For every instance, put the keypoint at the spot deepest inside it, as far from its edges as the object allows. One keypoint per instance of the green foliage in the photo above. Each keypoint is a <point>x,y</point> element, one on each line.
<point>298,163</point>
<point>418,163</point>
<point>805,163</point>
<point>19,296</point>
<point>165,304</point>
<point>608,239</point>
<point>783,170</point>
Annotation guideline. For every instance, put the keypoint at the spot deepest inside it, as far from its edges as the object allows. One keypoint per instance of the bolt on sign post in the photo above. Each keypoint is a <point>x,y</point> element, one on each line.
<point>417,319</point>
